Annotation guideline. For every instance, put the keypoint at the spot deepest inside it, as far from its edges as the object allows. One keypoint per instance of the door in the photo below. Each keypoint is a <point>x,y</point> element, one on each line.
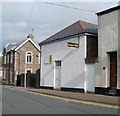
<point>18,80</point>
<point>90,80</point>
<point>57,77</point>
<point>28,76</point>
<point>113,69</point>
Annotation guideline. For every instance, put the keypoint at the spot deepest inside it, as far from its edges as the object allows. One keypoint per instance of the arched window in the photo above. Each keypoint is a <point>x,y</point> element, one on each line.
<point>29,57</point>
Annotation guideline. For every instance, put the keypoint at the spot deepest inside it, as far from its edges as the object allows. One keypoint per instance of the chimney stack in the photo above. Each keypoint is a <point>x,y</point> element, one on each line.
<point>31,36</point>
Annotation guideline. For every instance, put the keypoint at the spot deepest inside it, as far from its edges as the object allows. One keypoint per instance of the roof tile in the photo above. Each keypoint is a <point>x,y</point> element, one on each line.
<point>78,27</point>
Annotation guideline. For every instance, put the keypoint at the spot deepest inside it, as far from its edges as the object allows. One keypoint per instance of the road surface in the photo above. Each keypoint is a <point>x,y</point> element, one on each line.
<point>21,102</point>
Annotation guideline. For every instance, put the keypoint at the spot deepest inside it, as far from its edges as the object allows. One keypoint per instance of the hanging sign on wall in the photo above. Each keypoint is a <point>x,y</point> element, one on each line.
<point>72,44</point>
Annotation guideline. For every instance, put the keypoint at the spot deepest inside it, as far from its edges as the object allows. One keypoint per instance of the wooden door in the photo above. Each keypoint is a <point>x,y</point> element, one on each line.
<point>113,69</point>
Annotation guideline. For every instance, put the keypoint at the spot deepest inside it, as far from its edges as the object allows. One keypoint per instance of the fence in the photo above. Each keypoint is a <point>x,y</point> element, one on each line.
<point>32,80</point>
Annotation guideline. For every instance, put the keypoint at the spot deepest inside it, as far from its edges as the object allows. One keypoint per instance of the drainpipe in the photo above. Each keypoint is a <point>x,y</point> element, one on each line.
<point>85,80</point>
<point>40,65</point>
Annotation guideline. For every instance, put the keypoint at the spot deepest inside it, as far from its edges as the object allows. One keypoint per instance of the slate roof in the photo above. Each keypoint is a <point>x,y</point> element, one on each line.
<point>23,42</point>
<point>76,28</point>
<point>18,44</point>
<point>109,10</point>
<point>10,46</point>
<point>14,46</point>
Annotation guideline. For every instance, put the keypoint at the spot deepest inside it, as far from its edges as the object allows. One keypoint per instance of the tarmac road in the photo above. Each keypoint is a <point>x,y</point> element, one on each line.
<point>21,102</point>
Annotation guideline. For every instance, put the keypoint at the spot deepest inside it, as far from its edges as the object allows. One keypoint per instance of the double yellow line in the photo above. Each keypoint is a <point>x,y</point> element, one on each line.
<point>77,101</point>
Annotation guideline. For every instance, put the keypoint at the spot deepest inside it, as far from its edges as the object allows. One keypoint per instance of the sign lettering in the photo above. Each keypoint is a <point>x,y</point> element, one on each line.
<point>73,45</point>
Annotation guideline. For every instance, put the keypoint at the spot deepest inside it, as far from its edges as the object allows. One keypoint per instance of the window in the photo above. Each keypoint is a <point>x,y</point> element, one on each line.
<point>11,58</point>
<point>8,58</point>
<point>29,57</point>
<point>4,59</point>
<point>58,63</point>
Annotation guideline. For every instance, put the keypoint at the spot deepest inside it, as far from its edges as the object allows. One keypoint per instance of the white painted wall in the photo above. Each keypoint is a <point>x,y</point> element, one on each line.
<point>119,48</point>
<point>90,77</point>
<point>107,42</point>
<point>1,72</point>
<point>73,63</point>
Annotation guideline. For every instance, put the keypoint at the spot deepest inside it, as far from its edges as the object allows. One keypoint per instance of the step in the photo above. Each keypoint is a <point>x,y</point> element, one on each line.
<point>112,91</point>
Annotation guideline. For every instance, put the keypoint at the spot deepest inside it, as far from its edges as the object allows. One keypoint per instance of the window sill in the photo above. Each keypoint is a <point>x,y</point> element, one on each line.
<point>29,63</point>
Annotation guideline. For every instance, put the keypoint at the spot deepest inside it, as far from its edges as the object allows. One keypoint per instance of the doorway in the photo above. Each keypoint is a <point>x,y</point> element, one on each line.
<point>18,80</point>
<point>57,77</point>
<point>113,69</point>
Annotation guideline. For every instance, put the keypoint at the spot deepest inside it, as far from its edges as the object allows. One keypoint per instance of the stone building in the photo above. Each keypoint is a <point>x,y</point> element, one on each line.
<point>19,59</point>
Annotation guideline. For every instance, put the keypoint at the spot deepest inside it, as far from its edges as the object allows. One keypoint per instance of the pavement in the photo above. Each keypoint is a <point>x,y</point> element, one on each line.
<point>88,97</point>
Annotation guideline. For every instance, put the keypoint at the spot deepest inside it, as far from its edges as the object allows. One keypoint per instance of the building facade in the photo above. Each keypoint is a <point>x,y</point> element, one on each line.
<point>108,67</point>
<point>18,59</point>
<point>1,72</point>
<point>68,58</point>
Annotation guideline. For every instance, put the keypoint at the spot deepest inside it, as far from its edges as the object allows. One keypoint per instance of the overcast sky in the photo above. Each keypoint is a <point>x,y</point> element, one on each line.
<point>18,18</point>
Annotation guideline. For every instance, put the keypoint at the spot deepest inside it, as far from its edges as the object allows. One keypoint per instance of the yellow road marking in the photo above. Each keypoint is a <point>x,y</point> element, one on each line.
<point>77,101</point>
<point>72,100</point>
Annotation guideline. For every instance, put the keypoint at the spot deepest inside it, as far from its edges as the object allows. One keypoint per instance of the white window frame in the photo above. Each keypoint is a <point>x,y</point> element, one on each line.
<point>8,56</point>
<point>5,59</point>
<point>11,58</point>
<point>31,57</point>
